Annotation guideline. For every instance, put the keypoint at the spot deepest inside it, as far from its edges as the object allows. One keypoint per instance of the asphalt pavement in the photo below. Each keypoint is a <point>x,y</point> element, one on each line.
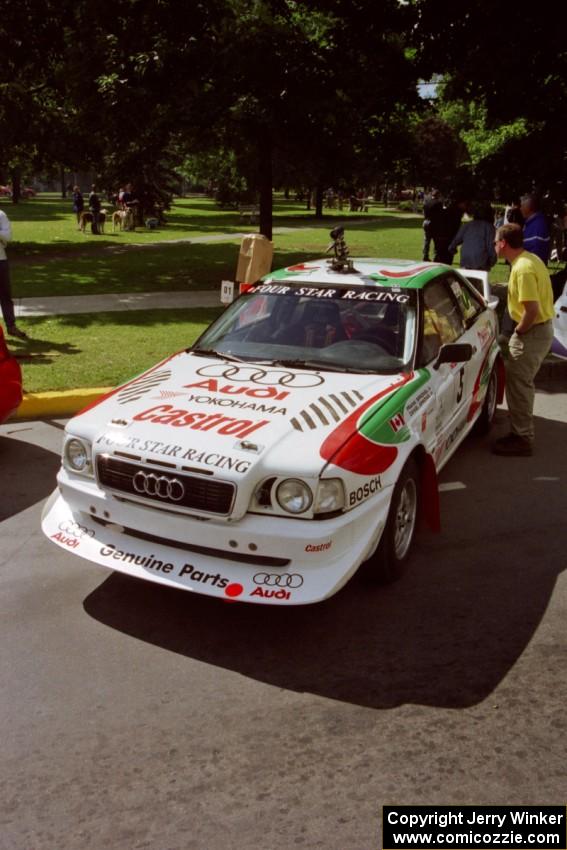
<point>136,717</point>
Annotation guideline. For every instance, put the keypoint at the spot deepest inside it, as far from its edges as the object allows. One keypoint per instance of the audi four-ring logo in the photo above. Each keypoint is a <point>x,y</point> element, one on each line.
<point>161,486</point>
<point>279,579</point>
<point>74,529</point>
<point>264,377</point>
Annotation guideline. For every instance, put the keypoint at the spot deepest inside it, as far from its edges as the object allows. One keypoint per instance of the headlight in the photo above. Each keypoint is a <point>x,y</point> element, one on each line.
<point>294,496</point>
<point>330,496</point>
<point>76,456</point>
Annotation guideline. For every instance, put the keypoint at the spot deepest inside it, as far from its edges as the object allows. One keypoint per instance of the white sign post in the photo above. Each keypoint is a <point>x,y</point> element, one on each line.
<point>227,292</point>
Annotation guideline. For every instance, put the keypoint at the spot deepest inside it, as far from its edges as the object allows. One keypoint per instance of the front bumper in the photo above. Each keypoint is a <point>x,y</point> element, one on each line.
<point>321,555</point>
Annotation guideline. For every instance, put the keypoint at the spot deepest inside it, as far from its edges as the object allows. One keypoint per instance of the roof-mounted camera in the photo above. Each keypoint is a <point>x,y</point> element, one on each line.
<point>340,262</point>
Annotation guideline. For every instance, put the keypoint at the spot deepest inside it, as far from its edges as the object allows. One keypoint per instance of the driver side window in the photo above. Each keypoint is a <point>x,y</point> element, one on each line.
<point>442,320</point>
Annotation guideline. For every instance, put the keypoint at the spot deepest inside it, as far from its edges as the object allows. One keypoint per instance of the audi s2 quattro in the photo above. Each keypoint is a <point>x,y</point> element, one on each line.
<point>299,438</point>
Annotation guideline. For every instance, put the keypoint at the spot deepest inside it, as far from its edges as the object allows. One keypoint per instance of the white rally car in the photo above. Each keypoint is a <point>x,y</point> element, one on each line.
<point>298,438</point>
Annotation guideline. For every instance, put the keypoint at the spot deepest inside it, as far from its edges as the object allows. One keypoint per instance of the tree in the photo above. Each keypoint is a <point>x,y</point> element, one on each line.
<point>301,85</point>
<point>30,109</point>
<point>513,67</point>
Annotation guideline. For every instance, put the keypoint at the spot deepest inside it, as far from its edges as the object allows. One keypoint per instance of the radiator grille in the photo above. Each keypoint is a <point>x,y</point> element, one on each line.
<point>165,487</point>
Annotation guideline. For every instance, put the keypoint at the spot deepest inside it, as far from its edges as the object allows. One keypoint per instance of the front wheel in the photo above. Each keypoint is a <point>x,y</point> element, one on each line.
<point>389,560</point>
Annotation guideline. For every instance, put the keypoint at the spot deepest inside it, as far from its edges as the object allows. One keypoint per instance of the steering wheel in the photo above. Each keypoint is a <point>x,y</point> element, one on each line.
<point>358,347</point>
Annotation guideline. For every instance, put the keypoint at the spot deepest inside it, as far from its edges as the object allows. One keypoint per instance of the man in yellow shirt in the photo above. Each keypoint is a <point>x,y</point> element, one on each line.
<point>530,304</point>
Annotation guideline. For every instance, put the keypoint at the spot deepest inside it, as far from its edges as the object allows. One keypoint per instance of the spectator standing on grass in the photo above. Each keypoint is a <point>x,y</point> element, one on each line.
<point>94,207</point>
<point>6,302</point>
<point>432,209</point>
<point>445,228</point>
<point>530,305</point>
<point>130,201</point>
<point>477,240</point>
<point>537,238</point>
<point>78,203</point>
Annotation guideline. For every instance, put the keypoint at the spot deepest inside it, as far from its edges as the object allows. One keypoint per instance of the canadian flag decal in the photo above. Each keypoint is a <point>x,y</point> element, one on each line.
<point>397,422</point>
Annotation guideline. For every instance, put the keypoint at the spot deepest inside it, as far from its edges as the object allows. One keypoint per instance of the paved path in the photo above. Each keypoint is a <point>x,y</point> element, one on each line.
<point>90,246</point>
<point>111,302</point>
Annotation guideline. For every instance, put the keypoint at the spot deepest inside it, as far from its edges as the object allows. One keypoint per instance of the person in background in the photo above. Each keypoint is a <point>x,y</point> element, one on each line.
<point>131,202</point>
<point>445,228</point>
<point>94,207</point>
<point>432,208</point>
<point>530,304</point>
<point>78,203</point>
<point>6,302</point>
<point>477,240</point>
<point>537,238</point>
<point>514,213</point>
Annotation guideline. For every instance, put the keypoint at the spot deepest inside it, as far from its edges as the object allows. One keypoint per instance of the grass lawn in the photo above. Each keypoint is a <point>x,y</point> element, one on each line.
<point>203,266</point>
<point>50,257</point>
<point>102,350</point>
<point>46,225</point>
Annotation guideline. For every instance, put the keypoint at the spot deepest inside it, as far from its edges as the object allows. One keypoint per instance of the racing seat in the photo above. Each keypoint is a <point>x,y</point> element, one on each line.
<point>319,326</point>
<point>384,332</point>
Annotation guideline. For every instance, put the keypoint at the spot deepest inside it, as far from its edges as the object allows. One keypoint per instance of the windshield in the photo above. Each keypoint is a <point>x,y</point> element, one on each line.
<point>358,329</point>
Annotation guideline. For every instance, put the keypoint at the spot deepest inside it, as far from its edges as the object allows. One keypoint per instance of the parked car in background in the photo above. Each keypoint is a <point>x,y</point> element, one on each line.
<point>559,344</point>
<point>10,381</point>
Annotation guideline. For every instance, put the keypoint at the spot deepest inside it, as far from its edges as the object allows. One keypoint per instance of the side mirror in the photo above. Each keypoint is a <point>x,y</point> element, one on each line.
<point>455,352</point>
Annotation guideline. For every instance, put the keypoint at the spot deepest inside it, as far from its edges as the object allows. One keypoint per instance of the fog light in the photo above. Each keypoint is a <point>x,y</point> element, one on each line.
<point>330,496</point>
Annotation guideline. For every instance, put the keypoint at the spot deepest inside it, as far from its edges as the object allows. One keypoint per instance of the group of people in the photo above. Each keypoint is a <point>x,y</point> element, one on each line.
<point>124,200</point>
<point>357,202</point>
<point>443,226</point>
<point>94,206</point>
<point>522,238</point>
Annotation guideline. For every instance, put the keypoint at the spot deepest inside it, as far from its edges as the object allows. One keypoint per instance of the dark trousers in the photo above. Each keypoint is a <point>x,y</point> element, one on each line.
<point>6,302</point>
<point>442,253</point>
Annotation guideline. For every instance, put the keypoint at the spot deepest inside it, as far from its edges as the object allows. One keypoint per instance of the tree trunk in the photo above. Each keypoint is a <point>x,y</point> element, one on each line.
<point>265,163</point>
<point>319,201</point>
<point>16,175</point>
<point>63,186</point>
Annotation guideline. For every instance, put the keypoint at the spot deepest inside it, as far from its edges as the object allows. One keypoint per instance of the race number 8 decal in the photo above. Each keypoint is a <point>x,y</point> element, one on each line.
<point>461,384</point>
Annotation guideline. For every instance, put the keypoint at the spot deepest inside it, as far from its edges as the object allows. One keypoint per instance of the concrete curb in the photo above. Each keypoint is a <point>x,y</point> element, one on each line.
<point>57,404</point>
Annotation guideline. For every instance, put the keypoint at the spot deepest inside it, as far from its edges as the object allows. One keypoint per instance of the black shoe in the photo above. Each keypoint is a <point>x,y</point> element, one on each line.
<point>513,445</point>
<point>14,331</point>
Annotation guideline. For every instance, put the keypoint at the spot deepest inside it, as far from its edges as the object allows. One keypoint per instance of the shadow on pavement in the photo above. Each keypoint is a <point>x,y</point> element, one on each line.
<point>446,635</point>
<point>19,491</point>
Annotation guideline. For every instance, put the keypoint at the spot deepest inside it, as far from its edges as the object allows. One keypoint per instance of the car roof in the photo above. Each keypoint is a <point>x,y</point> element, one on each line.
<point>368,271</point>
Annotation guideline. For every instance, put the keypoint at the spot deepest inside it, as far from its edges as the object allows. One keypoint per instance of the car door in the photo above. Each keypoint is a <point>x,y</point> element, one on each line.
<point>479,332</point>
<point>443,323</point>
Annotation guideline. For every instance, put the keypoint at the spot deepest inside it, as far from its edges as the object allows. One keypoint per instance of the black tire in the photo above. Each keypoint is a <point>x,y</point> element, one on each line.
<point>483,424</point>
<point>388,562</point>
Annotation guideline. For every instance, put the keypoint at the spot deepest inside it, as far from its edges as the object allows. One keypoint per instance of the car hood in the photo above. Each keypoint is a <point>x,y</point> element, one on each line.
<point>229,418</point>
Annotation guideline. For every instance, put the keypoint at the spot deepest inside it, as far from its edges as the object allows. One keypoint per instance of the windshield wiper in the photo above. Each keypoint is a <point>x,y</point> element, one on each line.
<point>210,352</point>
<point>319,364</point>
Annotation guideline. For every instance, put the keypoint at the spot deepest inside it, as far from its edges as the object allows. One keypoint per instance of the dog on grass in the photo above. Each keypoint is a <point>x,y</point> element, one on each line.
<point>87,218</point>
<point>124,219</point>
